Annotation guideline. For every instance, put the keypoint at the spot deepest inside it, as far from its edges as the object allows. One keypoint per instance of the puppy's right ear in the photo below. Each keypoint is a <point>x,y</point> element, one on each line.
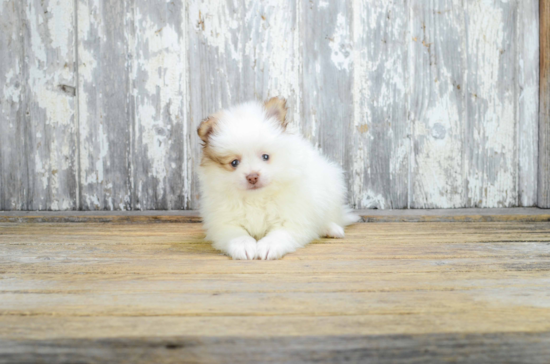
<point>276,107</point>
<point>207,127</point>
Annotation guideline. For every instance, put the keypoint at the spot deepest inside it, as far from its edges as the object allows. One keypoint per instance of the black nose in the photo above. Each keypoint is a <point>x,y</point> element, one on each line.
<point>252,178</point>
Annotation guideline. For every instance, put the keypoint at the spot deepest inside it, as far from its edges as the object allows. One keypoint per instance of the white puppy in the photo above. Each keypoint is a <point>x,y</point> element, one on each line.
<point>265,191</point>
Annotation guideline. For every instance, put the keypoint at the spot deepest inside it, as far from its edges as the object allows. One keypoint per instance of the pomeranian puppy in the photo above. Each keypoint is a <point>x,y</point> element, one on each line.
<point>265,191</point>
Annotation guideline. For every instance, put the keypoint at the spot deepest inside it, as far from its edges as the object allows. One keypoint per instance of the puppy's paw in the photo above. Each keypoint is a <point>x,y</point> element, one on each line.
<point>335,231</point>
<point>243,247</point>
<point>274,247</point>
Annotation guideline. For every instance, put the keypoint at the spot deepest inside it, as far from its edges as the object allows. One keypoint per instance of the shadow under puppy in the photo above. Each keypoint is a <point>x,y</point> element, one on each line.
<point>265,191</point>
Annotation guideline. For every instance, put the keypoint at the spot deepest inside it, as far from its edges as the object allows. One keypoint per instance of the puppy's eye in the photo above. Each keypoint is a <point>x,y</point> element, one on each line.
<point>235,163</point>
<point>265,157</point>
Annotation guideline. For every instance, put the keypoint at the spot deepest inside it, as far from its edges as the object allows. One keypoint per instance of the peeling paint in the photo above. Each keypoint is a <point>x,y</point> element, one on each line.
<point>425,105</point>
<point>379,97</point>
<point>492,180</point>
<point>159,71</point>
<point>339,44</point>
<point>528,101</point>
<point>50,115</point>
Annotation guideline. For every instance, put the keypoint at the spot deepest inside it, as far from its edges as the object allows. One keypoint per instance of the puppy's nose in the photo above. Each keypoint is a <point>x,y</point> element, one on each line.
<point>252,178</point>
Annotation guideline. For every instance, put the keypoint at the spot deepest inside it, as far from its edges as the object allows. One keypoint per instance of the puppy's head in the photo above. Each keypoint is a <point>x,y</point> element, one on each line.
<point>244,147</point>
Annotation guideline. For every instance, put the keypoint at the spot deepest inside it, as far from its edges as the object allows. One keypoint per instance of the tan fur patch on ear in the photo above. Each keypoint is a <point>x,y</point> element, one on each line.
<point>276,107</point>
<point>207,127</point>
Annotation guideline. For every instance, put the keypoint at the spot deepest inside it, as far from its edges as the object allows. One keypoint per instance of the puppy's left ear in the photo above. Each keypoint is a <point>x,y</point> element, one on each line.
<point>276,107</point>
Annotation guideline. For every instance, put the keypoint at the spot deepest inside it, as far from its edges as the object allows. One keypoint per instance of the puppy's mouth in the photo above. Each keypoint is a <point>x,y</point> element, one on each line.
<point>254,187</point>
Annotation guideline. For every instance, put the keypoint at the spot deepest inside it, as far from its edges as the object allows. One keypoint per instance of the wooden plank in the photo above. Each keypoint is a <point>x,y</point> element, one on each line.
<point>239,52</point>
<point>17,283</point>
<point>39,106</point>
<point>398,349</point>
<point>527,48</point>
<point>31,328</point>
<point>13,160</point>
<point>437,104</point>
<point>326,35</point>
<point>491,128</point>
<point>51,147</point>
<point>292,265</point>
<point>106,107</point>
<point>503,299</point>
<point>378,148</point>
<point>25,250</point>
<point>430,231</point>
<point>435,215</point>
<point>161,103</point>
<point>543,197</point>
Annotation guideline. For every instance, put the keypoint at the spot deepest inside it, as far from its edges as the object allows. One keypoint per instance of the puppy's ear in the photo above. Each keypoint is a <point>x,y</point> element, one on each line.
<point>207,127</point>
<point>276,107</point>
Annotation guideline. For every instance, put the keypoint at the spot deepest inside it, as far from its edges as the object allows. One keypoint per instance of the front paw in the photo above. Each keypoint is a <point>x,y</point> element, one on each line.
<point>274,247</point>
<point>335,231</point>
<point>243,247</point>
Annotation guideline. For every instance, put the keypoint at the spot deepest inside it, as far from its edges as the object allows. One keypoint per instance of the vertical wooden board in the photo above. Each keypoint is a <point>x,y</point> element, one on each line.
<point>272,57</point>
<point>528,100</point>
<point>543,196</point>
<point>161,94</point>
<point>437,103</point>
<point>13,159</point>
<point>49,41</point>
<point>105,104</point>
<point>491,101</point>
<point>327,81</point>
<point>238,51</point>
<point>379,147</point>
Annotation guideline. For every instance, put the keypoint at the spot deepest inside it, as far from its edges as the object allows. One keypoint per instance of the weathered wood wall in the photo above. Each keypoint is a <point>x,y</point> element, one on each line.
<point>425,103</point>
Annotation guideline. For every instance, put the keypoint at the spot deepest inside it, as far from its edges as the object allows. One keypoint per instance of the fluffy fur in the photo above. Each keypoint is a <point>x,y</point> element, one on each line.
<point>297,195</point>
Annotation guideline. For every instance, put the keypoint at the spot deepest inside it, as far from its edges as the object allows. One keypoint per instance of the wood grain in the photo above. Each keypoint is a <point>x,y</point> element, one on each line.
<point>388,292</point>
<point>13,163</point>
<point>437,105</point>
<point>543,197</point>
<point>400,349</point>
<point>50,59</point>
<point>326,34</point>
<point>491,126</point>
<point>106,106</point>
<point>379,146</point>
<point>159,73</point>
<point>528,114</point>
<point>38,106</point>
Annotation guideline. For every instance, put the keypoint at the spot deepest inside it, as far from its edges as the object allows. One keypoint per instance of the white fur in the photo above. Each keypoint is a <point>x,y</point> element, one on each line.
<point>302,194</point>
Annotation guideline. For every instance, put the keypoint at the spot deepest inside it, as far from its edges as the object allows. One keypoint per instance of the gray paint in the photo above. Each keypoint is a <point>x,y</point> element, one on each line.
<point>426,104</point>
<point>13,160</point>
<point>38,106</point>
<point>380,145</point>
<point>437,105</point>
<point>106,114</point>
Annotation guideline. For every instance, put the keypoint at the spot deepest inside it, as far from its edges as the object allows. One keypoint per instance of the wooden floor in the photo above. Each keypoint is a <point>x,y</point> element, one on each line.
<point>464,292</point>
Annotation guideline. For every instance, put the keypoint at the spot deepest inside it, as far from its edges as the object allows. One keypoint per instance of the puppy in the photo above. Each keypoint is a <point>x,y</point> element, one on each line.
<point>266,192</point>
